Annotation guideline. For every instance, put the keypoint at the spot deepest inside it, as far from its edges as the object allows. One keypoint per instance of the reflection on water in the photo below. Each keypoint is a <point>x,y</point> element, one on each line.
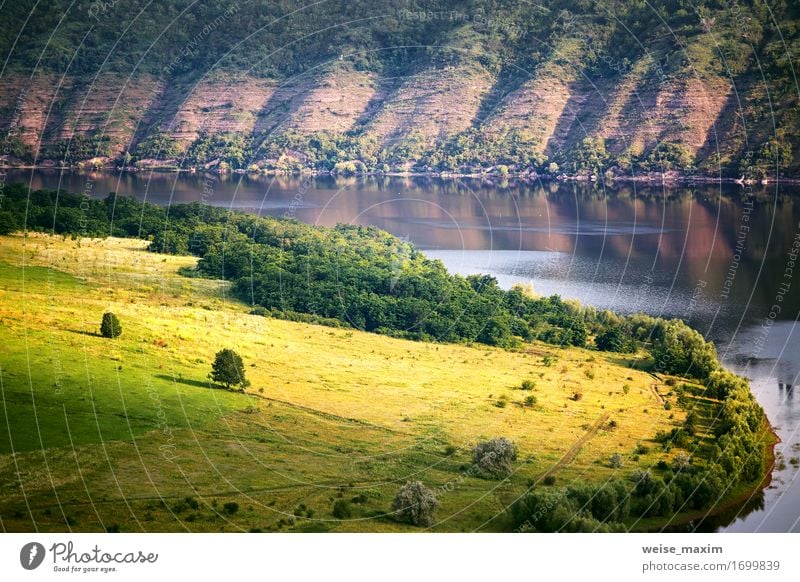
<point>702,254</point>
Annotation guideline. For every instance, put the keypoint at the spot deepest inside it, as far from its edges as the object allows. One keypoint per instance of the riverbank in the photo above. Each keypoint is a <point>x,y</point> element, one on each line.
<point>489,175</point>
<point>731,505</point>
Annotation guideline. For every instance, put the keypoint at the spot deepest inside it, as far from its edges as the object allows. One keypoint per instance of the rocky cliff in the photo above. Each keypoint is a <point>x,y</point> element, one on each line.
<point>556,94</point>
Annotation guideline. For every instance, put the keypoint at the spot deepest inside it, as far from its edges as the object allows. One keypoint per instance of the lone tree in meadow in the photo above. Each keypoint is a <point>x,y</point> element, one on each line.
<point>110,326</point>
<point>228,369</point>
<point>415,504</point>
<point>494,457</point>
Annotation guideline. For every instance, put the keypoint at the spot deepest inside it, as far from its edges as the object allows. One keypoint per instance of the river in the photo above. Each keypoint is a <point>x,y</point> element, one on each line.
<point>711,255</point>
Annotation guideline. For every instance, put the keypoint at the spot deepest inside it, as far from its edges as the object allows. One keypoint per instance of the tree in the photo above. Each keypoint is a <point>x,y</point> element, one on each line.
<point>614,339</point>
<point>8,222</point>
<point>110,326</point>
<point>415,504</point>
<point>494,457</point>
<point>228,369</point>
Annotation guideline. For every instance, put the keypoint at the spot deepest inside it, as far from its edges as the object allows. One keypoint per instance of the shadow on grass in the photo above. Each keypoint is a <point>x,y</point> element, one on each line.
<point>629,361</point>
<point>82,332</point>
<point>195,383</point>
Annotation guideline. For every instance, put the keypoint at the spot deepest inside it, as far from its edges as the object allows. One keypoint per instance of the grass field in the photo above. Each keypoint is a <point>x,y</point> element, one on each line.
<point>128,434</point>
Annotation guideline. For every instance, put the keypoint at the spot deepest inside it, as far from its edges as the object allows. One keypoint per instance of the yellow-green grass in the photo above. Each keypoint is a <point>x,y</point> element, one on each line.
<point>116,433</point>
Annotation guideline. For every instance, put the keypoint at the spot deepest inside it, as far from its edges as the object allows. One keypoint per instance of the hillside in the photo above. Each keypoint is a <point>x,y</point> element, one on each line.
<point>561,87</point>
<point>128,434</point>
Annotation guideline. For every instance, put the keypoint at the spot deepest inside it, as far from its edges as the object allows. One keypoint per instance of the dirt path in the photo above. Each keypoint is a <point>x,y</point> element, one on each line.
<point>654,390</point>
<point>573,451</point>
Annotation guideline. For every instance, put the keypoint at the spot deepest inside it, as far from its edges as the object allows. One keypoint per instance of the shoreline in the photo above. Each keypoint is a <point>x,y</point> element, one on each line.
<point>736,499</point>
<point>650,178</point>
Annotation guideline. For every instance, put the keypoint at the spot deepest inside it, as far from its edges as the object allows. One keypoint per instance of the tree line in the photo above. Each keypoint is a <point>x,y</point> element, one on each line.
<point>358,276</point>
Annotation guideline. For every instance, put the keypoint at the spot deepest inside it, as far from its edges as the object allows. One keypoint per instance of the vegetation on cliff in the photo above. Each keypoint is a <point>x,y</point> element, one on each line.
<point>582,88</point>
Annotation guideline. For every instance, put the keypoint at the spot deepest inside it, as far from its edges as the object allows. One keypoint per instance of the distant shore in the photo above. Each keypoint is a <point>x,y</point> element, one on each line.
<point>658,178</point>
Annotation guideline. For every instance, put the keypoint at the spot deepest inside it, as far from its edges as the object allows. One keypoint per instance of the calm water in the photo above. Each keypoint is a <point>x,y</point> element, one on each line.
<point>701,254</point>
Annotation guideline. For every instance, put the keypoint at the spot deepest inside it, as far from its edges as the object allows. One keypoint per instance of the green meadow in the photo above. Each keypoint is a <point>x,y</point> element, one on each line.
<point>128,434</point>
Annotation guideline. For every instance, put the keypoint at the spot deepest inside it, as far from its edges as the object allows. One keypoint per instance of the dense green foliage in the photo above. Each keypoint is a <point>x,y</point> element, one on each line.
<point>110,327</point>
<point>698,478</point>
<point>79,148</point>
<point>228,369</point>
<point>158,145</point>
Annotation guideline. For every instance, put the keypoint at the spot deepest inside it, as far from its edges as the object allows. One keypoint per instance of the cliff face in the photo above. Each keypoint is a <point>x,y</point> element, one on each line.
<point>558,88</point>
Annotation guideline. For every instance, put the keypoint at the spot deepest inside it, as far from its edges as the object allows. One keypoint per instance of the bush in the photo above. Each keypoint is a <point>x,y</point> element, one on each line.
<point>530,401</point>
<point>228,369</point>
<point>110,326</point>
<point>550,480</point>
<point>615,461</point>
<point>230,507</point>
<point>342,510</point>
<point>527,385</point>
<point>681,462</point>
<point>494,457</point>
<point>415,504</point>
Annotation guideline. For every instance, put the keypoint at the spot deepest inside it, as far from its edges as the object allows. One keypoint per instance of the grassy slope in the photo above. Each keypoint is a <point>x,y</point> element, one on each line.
<point>104,430</point>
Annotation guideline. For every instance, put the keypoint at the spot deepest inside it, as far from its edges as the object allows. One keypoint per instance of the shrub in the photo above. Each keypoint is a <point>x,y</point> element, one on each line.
<point>550,480</point>
<point>530,401</point>
<point>626,388</point>
<point>615,461</point>
<point>415,504</point>
<point>450,450</point>
<point>494,457</point>
<point>643,481</point>
<point>110,326</point>
<point>681,461</point>
<point>577,394</point>
<point>228,369</point>
<point>342,510</point>
<point>230,507</point>
<point>527,385</point>
<point>641,449</point>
